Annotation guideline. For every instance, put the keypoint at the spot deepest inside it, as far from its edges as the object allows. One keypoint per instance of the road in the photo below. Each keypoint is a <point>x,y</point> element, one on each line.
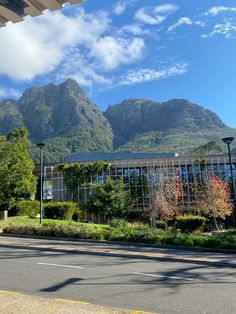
<point>119,282</point>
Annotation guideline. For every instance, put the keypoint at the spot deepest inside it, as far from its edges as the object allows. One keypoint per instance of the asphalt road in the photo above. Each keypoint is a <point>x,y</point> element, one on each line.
<point>148,285</point>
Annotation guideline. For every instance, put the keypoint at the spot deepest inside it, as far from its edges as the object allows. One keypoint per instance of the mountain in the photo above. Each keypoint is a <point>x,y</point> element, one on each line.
<point>61,116</point>
<point>176,125</point>
<point>68,122</point>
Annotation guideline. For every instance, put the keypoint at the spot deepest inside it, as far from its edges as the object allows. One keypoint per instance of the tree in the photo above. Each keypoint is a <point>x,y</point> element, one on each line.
<point>76,175</point>
<point>137,186</point>
<point>213,198</point>
<point>109,199</point>
<point>210,148</point>
<point>165,196</point>
<point>17,180</point>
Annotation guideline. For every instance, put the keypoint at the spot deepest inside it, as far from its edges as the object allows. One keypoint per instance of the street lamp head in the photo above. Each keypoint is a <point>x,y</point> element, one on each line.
<point>40,145</point>
<point>227,140</point>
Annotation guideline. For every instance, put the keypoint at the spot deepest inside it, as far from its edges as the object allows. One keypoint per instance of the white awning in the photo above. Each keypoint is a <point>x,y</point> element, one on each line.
<point>16,10</point>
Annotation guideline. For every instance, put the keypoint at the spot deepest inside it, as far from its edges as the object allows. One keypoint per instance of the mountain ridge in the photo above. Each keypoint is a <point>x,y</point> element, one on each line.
<point>61,116</point>
<point>133,117</point>
<point>68,122</point>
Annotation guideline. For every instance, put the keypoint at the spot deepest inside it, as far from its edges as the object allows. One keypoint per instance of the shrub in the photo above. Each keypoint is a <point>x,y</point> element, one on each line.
<point>29,229</point>
<point>142,216</point>
<point>59,210</point>
<point>77,214</point>
<point>143,235</point>
<point>190,223</point>
<point>137,233</point>
<point>57,229</point>
<point>184,239</point>
<point>116,222</point>
<point>28,208</point>
<point>117,235</point>
<point>109,199</point>
<point>160,224</point>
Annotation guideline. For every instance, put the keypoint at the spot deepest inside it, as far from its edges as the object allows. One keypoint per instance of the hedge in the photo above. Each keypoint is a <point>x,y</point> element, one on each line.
<point>28,208</point>
<point>60,210</point>
<point>131,233</point>
<point>190,223</point>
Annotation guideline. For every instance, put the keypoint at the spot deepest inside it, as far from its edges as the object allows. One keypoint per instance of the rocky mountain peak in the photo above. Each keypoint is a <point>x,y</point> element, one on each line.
<point>71,86</point>
<point>133,117</point>
<point>61,115</point>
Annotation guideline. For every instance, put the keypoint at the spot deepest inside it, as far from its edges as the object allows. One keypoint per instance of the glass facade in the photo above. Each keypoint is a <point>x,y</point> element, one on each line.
<point>141,178</point>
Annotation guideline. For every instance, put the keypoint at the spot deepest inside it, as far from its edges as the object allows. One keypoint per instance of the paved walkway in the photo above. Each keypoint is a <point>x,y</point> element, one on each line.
<point>17,303</point>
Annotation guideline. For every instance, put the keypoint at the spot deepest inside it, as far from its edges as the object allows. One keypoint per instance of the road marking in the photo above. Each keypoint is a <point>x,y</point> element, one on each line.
<point>141,312</point>
<point>163,276</point>
<point>7,291</point>
<point>58,265</point>
<point>73,301</point>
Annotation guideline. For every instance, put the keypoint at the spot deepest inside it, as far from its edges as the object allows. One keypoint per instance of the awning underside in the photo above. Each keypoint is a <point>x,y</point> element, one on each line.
<point>16,10</point>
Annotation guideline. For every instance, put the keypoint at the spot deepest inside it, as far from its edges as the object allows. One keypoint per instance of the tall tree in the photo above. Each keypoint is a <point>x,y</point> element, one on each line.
<point>109,199</point>
<point>165,194</point>
<point>17,180</point>
<point>213,199</point>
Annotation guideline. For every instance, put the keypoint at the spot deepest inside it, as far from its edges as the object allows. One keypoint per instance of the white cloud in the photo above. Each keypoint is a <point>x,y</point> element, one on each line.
<point>226,29</point>
<point>134,29</point>
<point>113,52</point>
<point>181,21</point>
<point>9,93</point>
<point>220,9</point>
<point>145,75</point>
<point>77,67</point>
<point>122,5</point>
<point>36,46</point>
<point>155,15</point>
<point>56,45</point>
<point>200,23</point>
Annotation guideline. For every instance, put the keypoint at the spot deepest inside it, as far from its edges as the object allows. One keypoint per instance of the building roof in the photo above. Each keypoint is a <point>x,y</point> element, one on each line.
<point>120,156</point>
<point>16,10</point>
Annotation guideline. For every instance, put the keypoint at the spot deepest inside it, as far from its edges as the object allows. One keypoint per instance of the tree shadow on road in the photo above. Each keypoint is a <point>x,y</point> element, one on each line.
<point>63,284</point>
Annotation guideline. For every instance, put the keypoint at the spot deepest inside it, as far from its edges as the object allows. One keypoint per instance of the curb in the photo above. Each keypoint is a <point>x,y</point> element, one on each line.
<point>135,244</point>
<point>126,255</point>
<point>138,255</point>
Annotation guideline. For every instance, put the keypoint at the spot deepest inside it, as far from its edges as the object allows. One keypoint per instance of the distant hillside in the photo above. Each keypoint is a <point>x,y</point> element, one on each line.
<point>62,116</point>
<point>176,125</point>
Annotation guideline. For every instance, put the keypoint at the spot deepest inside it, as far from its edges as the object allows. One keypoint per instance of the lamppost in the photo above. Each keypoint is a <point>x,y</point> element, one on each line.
<point>228,141</point>
<point>41,146</point>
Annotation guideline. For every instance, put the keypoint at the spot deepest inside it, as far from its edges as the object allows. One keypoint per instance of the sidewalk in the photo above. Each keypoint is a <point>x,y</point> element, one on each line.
<point>17,303</point>
<point>121,250</point>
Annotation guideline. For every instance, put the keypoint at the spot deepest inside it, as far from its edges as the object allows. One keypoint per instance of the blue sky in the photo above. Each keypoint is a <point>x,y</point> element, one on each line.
<point>119,49</point>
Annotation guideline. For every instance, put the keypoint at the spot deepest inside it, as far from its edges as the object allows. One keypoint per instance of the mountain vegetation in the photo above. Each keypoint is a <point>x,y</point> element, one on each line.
<point>68,122</point>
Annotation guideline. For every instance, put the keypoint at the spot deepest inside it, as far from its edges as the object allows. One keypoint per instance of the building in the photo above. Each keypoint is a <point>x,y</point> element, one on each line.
<point>142,174</point>
<point>16,10</point>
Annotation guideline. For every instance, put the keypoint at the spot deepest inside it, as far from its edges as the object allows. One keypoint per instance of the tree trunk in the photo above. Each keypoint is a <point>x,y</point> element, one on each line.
<point>215,223</point>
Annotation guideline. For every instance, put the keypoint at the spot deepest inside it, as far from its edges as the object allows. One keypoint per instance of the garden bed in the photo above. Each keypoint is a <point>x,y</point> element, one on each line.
<point>136,232</point>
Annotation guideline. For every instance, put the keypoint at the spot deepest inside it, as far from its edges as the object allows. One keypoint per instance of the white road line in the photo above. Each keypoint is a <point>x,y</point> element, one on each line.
<point>58,265</point>
<point>162,276</point>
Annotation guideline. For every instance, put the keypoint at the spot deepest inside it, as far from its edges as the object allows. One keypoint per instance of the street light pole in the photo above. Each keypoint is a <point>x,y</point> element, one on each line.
<point>228,141</point>
<point>41,146</point>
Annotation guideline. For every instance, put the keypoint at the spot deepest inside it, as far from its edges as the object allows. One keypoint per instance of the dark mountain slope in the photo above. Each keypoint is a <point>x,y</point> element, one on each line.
<point>62,116</point>
<point>175,125</point>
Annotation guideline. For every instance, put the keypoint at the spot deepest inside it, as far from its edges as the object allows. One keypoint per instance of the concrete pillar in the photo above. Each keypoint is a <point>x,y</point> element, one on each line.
<point>4,215</point>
